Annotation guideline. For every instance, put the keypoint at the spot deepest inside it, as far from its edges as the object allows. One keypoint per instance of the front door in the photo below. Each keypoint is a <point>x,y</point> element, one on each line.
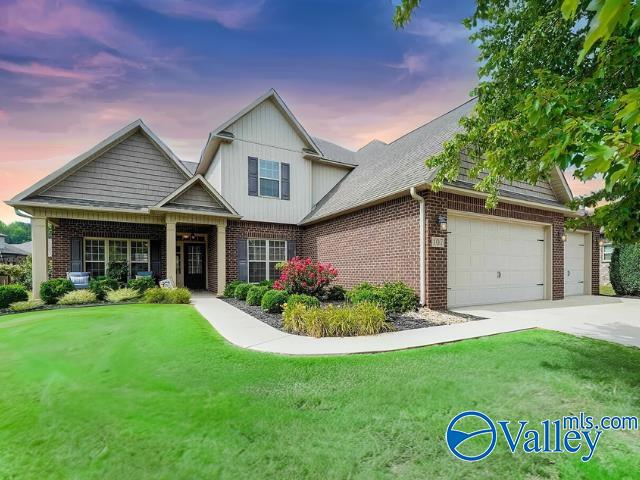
<point>194,263</point>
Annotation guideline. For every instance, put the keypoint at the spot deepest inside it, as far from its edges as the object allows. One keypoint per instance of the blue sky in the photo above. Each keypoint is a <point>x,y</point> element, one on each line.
<point>72,72</point>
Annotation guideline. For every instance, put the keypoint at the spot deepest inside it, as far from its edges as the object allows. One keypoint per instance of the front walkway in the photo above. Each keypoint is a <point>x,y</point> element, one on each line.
<point>612,319</point>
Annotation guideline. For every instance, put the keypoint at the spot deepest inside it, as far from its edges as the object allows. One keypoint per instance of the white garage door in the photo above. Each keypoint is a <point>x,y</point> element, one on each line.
<point>574,250</point>
<point>493,262</point>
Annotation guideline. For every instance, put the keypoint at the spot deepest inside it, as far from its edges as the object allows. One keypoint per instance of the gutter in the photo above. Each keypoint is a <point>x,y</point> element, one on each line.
<point>420,200</point>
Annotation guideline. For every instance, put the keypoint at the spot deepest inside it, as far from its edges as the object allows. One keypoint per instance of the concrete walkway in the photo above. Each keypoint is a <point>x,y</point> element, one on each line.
<point>612,319</point>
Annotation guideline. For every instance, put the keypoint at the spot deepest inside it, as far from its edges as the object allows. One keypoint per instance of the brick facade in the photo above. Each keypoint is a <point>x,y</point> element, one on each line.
<point>68,229</point>
<point>376,244</point>
<point>243,230</point>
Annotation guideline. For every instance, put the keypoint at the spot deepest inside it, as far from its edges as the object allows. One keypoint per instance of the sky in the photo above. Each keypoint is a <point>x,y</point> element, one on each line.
<point>72,72</point>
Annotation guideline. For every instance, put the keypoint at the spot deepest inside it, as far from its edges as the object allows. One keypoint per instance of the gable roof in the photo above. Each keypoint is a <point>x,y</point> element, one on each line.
<point>219,134</point>
<point>388,170</point>
<point>196,195</point>
<point>126,146</point>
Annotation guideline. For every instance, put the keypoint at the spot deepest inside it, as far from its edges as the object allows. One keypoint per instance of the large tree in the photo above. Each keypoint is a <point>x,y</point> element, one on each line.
<point>16,232</point>
<point>559,84</point>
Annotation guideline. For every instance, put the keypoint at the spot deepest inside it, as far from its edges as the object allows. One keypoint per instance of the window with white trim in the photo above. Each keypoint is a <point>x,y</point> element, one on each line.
<point>607,251</point>
<point>263,258</point>
<point>99,252</point>
<point>269,178</point>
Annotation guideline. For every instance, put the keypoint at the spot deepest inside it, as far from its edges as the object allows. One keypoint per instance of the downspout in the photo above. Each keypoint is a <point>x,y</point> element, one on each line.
<point>420,200</point>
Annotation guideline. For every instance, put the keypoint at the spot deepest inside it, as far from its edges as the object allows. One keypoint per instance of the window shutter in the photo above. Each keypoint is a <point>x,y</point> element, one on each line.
<point>243,267</point>
<point>253,176</point>
<point>285,178</point>
<point>291,249</point>
<point>75,259</point>
<point>156,258</point>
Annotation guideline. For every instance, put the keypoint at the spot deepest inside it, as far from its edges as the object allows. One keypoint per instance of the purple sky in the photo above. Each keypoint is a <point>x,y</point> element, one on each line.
<point>72,72</point>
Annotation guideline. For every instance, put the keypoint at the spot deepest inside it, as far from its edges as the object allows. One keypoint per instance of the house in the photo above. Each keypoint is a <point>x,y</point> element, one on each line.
<point>265,190</point>
<point>27,247</point>
<point>10,253</point>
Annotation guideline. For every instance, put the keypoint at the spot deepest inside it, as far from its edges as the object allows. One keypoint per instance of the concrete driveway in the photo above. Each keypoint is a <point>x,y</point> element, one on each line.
<point>606,318</point>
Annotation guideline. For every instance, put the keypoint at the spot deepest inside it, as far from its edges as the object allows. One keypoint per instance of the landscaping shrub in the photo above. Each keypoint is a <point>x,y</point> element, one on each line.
<point>122,295</point>
<point>306,300</point>
<point>119,271</point>
<point>266,283</point>
<point>19,273</point>
<point>336,293</point>
<point>230,288</point>
<point>305,276</point>
<point>78,297</point>
<point>362,319</point>
<point>26,305</point>
<point>167,295</point>
<point>624,270</point>
<point>273,300</point>
<point>12,293</point>
<point>52,290</point>
<point>241,291</point>
<point>101,285</point>
<point>141,284</point>
<point>255,294</point>
<point>393,297</point>
<point>398,297</point>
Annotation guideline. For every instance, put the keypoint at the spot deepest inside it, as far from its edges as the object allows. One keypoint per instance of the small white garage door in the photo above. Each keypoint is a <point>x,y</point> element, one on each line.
<point>574,262</point>
<point>493,261</point>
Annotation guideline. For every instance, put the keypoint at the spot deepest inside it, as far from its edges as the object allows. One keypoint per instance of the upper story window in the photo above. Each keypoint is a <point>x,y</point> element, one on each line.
<point>269,178</point>
<point>607,251</point>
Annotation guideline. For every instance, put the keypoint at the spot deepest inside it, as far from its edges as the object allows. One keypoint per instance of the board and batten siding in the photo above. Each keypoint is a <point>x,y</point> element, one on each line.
<point>133,169</point>
<point>324,178</point>
<point>265,133</point>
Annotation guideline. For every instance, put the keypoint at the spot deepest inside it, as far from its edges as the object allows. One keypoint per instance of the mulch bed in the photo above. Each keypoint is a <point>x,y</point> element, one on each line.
<point>407,321</point>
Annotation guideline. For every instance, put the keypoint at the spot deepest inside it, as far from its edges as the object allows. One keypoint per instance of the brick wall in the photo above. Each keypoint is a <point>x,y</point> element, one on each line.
<point>243,230</point>
<point>595,260</point>
<point>67,229</point>
<point>376,244</point>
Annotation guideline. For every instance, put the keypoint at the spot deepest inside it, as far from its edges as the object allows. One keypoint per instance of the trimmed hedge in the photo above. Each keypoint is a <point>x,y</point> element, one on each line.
<point>273,301</point>
<point>255,294</point>
<point>230,288</point>
<point>12,293</point>
<point>52,290</point>
<point>301,298</point>
<point>241,291</point>
<point>167,295</point>
<point>362,319</point>
<point>624,270</point>
<point>393,297</point>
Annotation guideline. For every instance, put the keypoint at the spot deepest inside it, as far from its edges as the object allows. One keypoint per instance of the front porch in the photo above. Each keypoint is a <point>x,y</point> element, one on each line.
<point>188,249</point>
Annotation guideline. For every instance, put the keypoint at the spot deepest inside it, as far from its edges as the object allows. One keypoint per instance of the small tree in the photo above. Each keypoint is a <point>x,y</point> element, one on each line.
<point>624,270</point>
<point>305,276</point>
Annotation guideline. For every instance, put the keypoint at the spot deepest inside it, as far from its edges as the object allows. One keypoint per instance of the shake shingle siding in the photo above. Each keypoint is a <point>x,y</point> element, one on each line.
<point>134,172</point>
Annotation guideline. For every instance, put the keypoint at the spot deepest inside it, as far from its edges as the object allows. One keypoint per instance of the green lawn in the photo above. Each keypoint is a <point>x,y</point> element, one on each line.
<point>152,391</point>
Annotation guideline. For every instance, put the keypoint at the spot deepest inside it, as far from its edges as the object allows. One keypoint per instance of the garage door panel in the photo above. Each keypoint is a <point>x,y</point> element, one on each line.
<point>480,248</point>
<point>574,264</point>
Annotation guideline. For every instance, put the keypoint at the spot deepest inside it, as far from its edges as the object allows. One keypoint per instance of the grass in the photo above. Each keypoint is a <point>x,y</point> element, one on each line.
<point>152,391</point>
<point>607,290</point>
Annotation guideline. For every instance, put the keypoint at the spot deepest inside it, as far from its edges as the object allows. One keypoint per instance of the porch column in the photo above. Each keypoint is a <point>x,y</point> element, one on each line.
<point>221,253</point>
<point>39,254</point>
<point>171,251</point>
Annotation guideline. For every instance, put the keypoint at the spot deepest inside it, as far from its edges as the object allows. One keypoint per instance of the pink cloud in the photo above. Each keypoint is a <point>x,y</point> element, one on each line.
<point>228,14</point>
<point>411,63</point>
<point>580,188</point>
<point>52,18</point>
<point>41,70</point>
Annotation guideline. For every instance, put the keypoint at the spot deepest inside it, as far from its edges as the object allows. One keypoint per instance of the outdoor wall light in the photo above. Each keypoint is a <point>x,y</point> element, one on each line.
<point>442,222</point>
<point>601,237</point>
<point>563,235</point>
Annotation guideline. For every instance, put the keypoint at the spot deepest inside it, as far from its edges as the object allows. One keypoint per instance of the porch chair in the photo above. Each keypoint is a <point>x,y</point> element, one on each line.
<point>144,275</point>
<point>80,280</point>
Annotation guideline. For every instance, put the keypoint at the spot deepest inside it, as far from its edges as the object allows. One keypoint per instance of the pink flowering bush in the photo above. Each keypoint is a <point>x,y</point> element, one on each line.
<point>302,275</point>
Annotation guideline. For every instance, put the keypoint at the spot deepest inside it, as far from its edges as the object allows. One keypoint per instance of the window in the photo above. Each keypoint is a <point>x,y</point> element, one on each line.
<point>99,252</point>
<point>269,178</point>
<point>264,256</point>
<point>607,251</point>
<point>94,255</point>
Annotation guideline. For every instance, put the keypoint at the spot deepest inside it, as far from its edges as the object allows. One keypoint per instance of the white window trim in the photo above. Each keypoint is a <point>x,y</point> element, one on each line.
<point>279,182</point>
<point>267,259</point>
<point>604,260</point>
<point>105,241</point>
